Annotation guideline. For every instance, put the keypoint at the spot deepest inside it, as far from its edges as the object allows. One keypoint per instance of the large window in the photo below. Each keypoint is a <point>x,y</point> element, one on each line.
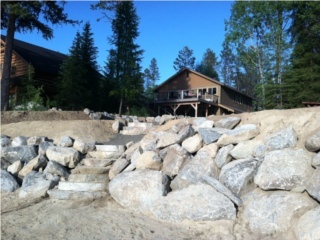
<point>212,90</point>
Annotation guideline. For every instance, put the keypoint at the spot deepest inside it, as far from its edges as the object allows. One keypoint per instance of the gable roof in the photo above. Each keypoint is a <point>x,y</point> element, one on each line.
<point>42,59</point>
<point>201,75</point>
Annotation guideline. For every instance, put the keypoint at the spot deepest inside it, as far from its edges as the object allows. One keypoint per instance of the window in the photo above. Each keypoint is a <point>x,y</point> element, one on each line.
<point>212,91</point>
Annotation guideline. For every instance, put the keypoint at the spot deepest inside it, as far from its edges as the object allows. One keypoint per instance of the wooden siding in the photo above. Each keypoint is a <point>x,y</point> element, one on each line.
<point>235,100</point>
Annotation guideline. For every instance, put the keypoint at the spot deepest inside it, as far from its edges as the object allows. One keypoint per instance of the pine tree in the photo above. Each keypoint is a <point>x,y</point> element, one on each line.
<point>185,59</point>
<point>302,78</point>
<point>22,16</point>
<point>126,54</point>
<point>208,64</point>
<point>151,76</point>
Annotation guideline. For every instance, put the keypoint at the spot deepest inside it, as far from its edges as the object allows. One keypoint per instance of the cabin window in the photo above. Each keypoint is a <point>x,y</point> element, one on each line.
<point>212,91</point>
<point>13,70</point>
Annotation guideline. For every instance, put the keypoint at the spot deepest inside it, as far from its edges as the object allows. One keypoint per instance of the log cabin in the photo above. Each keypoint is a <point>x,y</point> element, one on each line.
<point>45,62</point>
<point>191,93</point>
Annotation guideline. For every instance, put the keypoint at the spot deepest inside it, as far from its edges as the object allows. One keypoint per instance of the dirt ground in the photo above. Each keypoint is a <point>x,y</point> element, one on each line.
<point>104,218</point>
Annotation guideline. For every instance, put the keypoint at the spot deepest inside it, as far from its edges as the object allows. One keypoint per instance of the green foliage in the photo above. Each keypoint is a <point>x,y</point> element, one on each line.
<point>31,95</point>
<point>123,68</point>
<point>138,111</point>
<point>151,76</point>
<point>80,82</point>
<point>208,64</point>
<point>185,59</point>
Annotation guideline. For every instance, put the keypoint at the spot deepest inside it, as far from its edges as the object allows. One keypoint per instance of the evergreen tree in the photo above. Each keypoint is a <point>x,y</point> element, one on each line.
<point>126,54</point>
<point>22,16</point>
<point>79,77</point>
<point>151,76</point>
<point>185,59</point>
<point>208,64</point>
<point>302,78</point>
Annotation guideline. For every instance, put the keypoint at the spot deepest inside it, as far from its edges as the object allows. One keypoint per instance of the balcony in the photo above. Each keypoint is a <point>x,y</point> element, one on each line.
<point>185,96</point>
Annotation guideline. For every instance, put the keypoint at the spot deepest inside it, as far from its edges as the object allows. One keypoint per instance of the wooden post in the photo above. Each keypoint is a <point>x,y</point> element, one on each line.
<point>206,110</point>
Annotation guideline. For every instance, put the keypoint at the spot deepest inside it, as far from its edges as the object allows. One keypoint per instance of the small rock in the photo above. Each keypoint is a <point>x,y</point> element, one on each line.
<point>36,140</point>
<point>15,167</point>
<point>90,170</point>
<point>84,145</point>
<point>5,141</point>
<point>66,141</point>
<point>313,185</point>
<point>244,149</point>
<point>56,169</point>
<point>229,122</point>
<point>166,139</point>
<point>313,142</point>
<point>149,160</point>
<point>223,156</point>
<point>19,141</point>
<point>8,182</point>
<point>65,156</point>
<point>316,160</point>
<point>209,135</point>
<point>95,116</point>
<point>285,138</point>
<point>192,144</point>
<point>117,167</point>
<point>44,146</point>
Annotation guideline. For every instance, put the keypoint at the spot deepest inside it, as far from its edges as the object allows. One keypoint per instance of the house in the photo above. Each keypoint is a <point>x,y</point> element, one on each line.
<point>194,94</point>
<point>46,64</point>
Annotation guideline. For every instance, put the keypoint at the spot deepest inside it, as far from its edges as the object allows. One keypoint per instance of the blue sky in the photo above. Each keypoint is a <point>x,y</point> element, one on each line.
<point>165,28</point>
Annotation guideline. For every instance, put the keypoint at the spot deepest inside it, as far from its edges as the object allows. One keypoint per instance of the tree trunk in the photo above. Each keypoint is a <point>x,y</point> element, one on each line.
<point>5,79</point>
<point>120,107</point>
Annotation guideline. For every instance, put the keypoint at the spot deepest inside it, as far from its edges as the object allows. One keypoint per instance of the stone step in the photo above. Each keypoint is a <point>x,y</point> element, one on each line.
<point>88,178</point>
<point>104,155</point>
<point>74,195</point>
<point>110,148</point>
<point>95,162</point>
<point>142,125</point>
<point>82,187</point>
<point>90,170</point>
<point>133,131</point>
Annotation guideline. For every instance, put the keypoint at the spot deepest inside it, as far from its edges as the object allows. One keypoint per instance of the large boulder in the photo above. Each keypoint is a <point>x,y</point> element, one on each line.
<point>200,165</point>
<point>198,202</point>
<point>175,159</point>
<point>22,153</point>
<point>308,226</point>
<point>192,144</point>
<point>284,169</point>
<point>68,157</point>
<point>8,182</point>
<point>209,135</point>
<point>36,185</point>
<point>84,145</point>
<point>238,175</point>
<point>285,138</point>
<point>313,185</point>
<point>138,190</point>
<point>239,134</point>
<point>223,155</point>
<point>149,160</point>
<point>229,122</point>
<point>313,142</point>
<point>273,212</point>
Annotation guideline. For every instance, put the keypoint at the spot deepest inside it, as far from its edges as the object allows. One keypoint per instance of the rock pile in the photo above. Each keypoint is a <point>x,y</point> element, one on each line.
<point>195,169</point>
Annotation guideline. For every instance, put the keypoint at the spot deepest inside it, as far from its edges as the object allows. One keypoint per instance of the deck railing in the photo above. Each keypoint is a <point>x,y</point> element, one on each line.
<point>185,95</point>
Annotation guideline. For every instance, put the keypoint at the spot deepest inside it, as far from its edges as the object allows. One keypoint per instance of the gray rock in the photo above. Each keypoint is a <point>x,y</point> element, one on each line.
<point>202,164</point>
<point>56,169</point>
<point>165,118</point>
<point>88,178</point>
<point>90,170</point>
<point>316,160</point>
<point>149,142</point>
<point>93,162</point>
<point>185,133</point>
<point>44,146</point>
<point>150,119</point>
<point>36,185</point>
<point>117,167</point>
<point>130,150</point>
<point>95,116</point>
<point>313,185</point>
<point>138,190</point>
<point>238,175</point>
<point>68,157</point>
<point>239,134</point>
<point>313,142</point>
<point>206,124</point>
<point>41,164</point>
<point>192,144</point>
<point>20,153</point>
<point>270,213</point>
<point>260,151</point>
<point>36,140</point>
<point>284,169</point>
<point>222,189</point>
<point>66,141</point>
<point>308,226</point>
<point>244,149</point>
<point>19,141</point>
<point>198,202</point>
<point>133,160</point>
<point>285,138</point>
<point>117,126</point>
<point>209,135</point>
<point>149,160</point>
<point>198,121</point>
<point>87,111</point>
<point>8,182</point>
<point>223,156</point>
<point>176,128</point>
<point>84,145</point>
<point>166,139</point>
<point>15,167</point>
<point>5,141</point>
<point>82,187</point>
<point>75,195</point>
<point>107,151</point>
<point>175,159</point>
<point>229,122</point>
<point>29,167</point>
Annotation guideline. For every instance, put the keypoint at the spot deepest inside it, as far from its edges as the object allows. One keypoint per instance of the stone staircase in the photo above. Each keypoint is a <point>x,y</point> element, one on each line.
<point>90,179</point>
